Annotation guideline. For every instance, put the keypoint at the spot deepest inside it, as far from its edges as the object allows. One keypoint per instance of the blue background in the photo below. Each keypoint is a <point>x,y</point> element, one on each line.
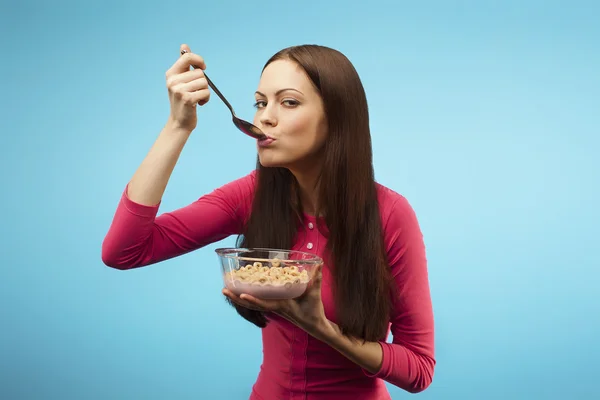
<point>485,115</point>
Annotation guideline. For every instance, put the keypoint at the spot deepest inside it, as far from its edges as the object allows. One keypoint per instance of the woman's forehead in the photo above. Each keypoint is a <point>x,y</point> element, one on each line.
<point>283,74</point>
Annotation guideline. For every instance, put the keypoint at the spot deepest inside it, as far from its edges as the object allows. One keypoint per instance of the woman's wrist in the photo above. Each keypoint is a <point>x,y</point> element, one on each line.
<point>174,128</point>
<point>368,355</point>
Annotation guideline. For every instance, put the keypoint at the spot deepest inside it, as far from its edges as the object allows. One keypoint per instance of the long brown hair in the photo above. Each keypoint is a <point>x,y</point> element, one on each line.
<point>347,199</point>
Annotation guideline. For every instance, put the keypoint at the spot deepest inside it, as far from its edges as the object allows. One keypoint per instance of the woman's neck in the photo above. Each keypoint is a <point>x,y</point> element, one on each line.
<point>308,186</point>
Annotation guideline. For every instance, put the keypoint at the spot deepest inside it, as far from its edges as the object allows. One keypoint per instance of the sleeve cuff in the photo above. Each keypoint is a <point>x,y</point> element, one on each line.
<point>138,209</point>
<point>385,362</point>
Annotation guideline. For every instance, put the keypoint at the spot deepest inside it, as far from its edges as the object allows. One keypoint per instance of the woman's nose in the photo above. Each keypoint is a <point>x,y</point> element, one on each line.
<point>268,117</point>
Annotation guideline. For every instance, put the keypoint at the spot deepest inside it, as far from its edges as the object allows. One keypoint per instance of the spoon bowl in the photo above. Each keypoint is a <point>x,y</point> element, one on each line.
<point>246,127</point>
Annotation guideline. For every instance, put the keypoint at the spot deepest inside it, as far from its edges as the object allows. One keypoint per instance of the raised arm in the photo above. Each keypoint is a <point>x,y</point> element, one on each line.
<point>186,89</point>
<point>136,237</point>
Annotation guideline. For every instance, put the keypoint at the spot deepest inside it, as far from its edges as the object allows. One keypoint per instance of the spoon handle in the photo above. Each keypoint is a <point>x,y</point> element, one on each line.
<point>213,87</point>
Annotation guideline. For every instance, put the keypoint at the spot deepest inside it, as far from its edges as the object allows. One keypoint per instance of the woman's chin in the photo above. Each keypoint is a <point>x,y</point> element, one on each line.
<point>271,162</point>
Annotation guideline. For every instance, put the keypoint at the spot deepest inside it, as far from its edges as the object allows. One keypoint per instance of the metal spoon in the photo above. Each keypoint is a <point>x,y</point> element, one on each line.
<point>244,126</point>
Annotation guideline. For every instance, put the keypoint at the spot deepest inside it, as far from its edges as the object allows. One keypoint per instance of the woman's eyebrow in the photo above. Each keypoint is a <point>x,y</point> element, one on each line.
<point>280,91</point>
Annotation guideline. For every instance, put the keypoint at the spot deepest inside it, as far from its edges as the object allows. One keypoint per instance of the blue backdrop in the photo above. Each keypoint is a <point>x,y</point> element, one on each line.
<point>484,115</point>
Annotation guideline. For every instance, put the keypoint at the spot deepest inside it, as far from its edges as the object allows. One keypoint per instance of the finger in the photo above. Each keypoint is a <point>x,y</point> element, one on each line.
<point>192,86</point>
<point>195,60</point>
<point>184,62</point>
<point>185,48</point>
<point>264,304</point>
<point>185,77</point>
<point>200,96</point>
<point>236,299</point>
<point>314,287</point>
<point>318,275</point>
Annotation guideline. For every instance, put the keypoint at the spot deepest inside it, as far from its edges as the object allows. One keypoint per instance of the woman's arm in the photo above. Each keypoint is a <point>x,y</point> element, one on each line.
<point>150,180</point>
<point>186,89</point>
<point>137,237</point>
<point>408,362</point>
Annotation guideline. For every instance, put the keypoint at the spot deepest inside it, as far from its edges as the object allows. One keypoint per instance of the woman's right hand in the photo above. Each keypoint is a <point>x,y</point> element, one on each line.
<point>187,88</point>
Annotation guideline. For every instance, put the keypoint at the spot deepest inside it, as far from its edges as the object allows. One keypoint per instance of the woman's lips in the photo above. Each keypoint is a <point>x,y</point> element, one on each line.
<point>266,142</point>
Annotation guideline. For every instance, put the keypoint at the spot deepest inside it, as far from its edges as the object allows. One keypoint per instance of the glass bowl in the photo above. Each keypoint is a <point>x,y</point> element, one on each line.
<point>267,273</point>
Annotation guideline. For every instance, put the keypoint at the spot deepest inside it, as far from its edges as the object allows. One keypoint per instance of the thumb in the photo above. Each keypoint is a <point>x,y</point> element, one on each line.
<point>184,48</point>
<point>318,275</point>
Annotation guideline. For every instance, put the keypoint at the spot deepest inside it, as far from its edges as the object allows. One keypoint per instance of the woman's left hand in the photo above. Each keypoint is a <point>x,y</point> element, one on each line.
<point>306,311</point>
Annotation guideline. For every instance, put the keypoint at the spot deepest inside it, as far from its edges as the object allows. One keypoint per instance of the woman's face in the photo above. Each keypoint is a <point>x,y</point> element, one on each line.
<point>290,112</point>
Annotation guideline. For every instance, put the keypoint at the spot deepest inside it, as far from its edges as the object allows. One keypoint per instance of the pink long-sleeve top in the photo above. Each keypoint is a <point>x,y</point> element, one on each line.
<point>296,365</point>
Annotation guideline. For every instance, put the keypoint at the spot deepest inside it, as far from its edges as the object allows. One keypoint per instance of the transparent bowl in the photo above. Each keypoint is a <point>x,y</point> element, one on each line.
<point>267,273</point>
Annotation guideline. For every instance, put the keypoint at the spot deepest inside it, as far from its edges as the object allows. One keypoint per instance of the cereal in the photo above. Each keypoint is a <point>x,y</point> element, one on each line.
<point>276,282</point>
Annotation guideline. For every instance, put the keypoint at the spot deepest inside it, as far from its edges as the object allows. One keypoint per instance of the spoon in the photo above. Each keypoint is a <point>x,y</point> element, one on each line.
<point>244,126</point>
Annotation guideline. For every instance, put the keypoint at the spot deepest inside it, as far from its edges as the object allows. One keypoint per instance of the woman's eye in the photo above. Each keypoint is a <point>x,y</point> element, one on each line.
<point>287,103</point>
<point>291,103</point>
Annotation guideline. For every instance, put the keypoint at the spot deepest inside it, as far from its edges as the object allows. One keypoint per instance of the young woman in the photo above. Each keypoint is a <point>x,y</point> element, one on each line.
<point>313,189</point>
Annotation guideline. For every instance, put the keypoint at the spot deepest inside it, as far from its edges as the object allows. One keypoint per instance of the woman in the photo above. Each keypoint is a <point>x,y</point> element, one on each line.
<point>313,189</point>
